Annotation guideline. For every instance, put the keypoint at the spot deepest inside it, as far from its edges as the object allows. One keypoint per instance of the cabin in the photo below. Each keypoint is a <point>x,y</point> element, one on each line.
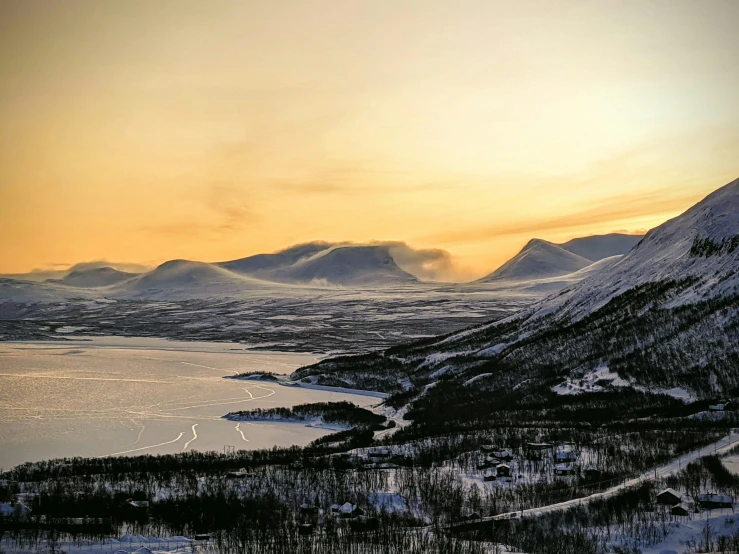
<point>504,455</point>
<point>720,407</point>
<point>503,470</point>
<point>335,508</point>
<point>308,509</point>
<point>350,510</point>
<point>379,453</point>
<point>711,501</point>
<point>564,469</point>
<point>202,536</point>
<point>489,475</point>
<point>565,456</point>
<point>682,509</point>
<point>305,529</point>
<point>669,497</point>
<point>487,464</point>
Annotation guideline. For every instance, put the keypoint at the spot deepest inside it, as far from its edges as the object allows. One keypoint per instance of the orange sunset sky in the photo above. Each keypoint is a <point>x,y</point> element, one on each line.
<point>146,130</point>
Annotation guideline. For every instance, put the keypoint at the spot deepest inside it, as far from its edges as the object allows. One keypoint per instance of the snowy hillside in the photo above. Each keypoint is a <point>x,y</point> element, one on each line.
<point>260,264</point>
<point>184,279</point>
<point>345,265</point>
<point>599,247</point>
<point>98,277</point>
<point>539,259</point>
<point>663,317</point>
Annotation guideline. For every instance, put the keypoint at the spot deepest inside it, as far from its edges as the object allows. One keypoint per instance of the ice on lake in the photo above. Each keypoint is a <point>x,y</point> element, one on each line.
<point>115,395</point>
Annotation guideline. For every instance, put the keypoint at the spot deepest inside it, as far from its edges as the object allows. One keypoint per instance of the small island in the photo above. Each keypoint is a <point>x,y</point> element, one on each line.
<point>335,414</point>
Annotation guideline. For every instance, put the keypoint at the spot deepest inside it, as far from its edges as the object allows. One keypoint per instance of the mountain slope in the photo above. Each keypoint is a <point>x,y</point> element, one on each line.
<point>599,247</point>
<point>185,279</point>
<point>664,316</point>
<point>98,277</point>
<point>539,259</point>
<point>345,265</point>
<point>261,263</point>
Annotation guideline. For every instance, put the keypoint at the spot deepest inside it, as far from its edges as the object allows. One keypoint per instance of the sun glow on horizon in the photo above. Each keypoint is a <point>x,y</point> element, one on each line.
<point>147,131</point>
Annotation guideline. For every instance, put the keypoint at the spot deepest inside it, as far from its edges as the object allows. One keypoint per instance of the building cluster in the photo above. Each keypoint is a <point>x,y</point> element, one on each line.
<point>682,505</point>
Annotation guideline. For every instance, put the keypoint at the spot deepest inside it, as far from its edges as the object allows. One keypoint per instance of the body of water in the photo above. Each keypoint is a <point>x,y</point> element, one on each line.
<point>124,396</point>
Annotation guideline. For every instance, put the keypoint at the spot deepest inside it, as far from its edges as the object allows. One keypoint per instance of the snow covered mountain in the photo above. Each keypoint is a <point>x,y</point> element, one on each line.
<point>185,279</point>
<point>323,263</point>
<point>599,247</point>
<point>261,264</point>
<point>345,265</point>
<point>664,317</point>
<point>98,277</point>
<point>539,259</point>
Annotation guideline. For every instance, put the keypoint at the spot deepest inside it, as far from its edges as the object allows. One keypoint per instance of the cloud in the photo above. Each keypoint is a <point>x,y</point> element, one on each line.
<point>612,210</point>
<point>227,210</point>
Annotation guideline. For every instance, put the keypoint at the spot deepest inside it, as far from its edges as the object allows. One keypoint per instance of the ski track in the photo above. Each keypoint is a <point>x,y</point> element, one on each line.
<point>142,448</point>
<point>194,436</point>
<point>141,432</point>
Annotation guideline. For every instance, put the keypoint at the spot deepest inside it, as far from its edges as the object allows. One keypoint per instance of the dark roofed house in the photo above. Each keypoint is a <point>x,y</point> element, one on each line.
<point>682,509</point>
<point>712,501</point>
<point>669,497</point>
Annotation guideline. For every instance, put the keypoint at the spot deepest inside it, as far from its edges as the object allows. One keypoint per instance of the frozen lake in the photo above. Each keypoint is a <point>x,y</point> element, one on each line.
<point>115,395</point>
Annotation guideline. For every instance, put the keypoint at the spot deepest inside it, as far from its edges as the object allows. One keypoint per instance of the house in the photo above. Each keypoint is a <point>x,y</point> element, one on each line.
<point>565,455</point>
<point>489,475</point>
<point>503,470</point>
<point>564,469</point>
<point>487,464</point>
<point>682,509</point>
<point>720,407</point>
<point>335,508</point>
<point>305,529</point>
<point>308,509</point>
<point>669,497</point>
<point>350,510</point>
<point>711,501</point>
<point>504,455</point>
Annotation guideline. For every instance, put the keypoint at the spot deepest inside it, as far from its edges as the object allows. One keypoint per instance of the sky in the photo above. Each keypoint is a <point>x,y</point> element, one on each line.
<point>141,131</point>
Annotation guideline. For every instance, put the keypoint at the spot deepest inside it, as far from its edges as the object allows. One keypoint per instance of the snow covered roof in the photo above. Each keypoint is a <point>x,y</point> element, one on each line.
<point>716,498</point>
<point>347,508</point>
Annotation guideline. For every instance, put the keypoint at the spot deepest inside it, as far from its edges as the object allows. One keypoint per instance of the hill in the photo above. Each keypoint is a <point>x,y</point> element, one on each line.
<point>662,318</point>
<point>599,247</point>
<point>367,266</point>
<point>261,264</point>
<point>98,277</point>
<point>185,279</point>
<point>539,259</point>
